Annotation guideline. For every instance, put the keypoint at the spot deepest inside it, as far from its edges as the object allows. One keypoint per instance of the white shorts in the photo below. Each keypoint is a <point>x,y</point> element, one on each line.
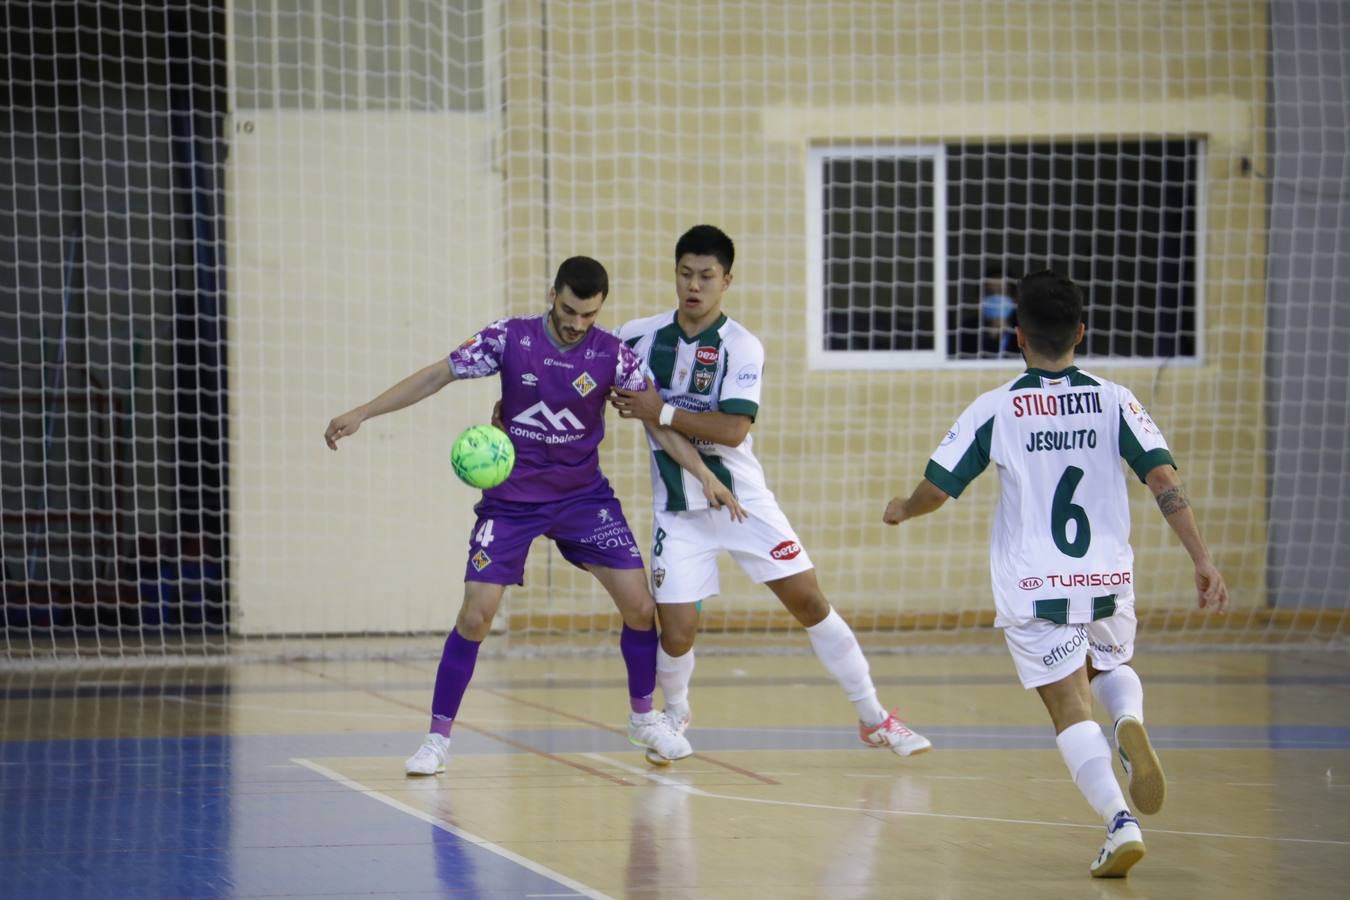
<point>1045,652</point>
<point>685,546</point>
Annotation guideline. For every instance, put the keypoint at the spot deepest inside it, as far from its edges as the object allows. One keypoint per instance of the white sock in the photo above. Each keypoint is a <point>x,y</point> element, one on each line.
<point>1120,692</point>
<point>673,674</point>
<point>1088,757</point>
<point>837,648</point>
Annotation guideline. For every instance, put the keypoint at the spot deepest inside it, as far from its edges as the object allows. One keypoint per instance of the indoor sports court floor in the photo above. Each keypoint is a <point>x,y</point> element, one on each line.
<point>272,779</point>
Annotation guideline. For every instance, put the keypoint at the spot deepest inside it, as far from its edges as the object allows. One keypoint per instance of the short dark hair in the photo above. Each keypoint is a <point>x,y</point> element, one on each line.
<point>1049,310</point>
<point>707,240</point>
<point>585,276</point>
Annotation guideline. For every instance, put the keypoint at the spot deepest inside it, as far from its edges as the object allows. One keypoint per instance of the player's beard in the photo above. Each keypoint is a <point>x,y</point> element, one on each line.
<point>558,329</point>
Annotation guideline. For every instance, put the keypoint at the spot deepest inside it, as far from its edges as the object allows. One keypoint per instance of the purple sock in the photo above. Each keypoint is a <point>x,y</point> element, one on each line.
<point>452,679</point>
<point>639,655</point>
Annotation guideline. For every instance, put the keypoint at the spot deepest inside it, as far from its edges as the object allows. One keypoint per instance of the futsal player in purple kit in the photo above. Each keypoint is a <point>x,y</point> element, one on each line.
<point>556,373</point>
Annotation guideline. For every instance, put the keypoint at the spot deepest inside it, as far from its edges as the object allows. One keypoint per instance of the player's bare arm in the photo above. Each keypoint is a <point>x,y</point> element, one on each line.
<point>686,454</point>
<point>416,387</point>
<point>1168,491</point>
<point>727,429</point>
<point>926,498</point>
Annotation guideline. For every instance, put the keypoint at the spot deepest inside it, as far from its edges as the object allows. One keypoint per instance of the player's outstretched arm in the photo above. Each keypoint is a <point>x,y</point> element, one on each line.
<point>417,386</point>
<point>1165,484</point>
<point>927,497</point>
<point>686,454</point>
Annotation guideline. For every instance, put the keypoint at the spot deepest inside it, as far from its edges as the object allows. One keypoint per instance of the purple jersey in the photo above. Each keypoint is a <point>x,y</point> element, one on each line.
<point>553,402</point>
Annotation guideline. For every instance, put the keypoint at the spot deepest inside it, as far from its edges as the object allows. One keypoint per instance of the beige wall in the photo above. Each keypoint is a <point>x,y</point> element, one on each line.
<point>660,116</point>
<point>363,246</point>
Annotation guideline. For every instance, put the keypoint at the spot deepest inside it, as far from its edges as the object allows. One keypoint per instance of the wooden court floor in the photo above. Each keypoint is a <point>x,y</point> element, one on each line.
<point>272,779</point>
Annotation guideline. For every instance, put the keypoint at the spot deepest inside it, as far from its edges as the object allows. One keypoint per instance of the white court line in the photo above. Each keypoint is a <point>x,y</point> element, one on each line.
<point>460,833</point>
<point>699,792</point>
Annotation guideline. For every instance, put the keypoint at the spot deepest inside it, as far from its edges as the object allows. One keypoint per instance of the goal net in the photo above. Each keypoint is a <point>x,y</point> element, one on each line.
<point>234,221</point>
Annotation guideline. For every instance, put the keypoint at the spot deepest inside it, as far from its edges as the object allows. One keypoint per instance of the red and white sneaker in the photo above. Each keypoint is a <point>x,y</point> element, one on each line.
<point>896,735</point>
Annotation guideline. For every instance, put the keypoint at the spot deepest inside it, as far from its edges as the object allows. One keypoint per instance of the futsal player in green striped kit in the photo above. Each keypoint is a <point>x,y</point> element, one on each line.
<point>709,371</point>
<point>1060,555</point>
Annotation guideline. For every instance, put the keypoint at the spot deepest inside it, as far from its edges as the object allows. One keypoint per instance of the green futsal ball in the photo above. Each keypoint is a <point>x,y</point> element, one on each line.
<point>483,456</point>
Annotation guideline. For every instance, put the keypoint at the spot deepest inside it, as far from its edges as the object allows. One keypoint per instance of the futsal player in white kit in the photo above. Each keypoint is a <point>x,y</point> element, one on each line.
<point>709,373</point>
<point>1060,556</point>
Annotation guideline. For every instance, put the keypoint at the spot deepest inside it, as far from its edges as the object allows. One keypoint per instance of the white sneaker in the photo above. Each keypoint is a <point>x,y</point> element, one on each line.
<point>679,717</point>
<point>1148,785</point>
<point>654,731</point>
<point>1123,848</point>
<point>894,734</point>
<point>431,757</point>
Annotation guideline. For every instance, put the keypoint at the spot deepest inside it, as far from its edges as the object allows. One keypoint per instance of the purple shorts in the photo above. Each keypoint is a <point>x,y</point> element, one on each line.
<point>589,530</point>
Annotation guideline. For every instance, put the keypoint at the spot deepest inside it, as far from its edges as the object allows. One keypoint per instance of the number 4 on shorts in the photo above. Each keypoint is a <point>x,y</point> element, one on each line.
<point>484,535</point>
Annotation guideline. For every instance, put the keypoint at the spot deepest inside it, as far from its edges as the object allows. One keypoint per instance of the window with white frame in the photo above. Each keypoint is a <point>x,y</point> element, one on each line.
<point>915,251</point>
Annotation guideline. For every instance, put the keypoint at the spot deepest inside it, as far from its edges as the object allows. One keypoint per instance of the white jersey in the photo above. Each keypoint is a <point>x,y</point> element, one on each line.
<point>718,369</point>
<point>1060,548</point>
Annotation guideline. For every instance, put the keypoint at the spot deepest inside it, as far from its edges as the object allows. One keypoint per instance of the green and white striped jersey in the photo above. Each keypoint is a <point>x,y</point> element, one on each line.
<point>719,369</point>
<point>1060,547</point>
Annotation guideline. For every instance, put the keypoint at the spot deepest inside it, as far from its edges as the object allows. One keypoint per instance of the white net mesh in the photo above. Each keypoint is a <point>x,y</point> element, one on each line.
<point>292,204</point>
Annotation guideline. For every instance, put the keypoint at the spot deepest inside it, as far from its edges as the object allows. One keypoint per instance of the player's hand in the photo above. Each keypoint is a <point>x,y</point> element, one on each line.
<point>719,496</point>
<point>895,511</point>
<point>1209,586</point>
<point>343,426</point>
<point>497,415</point>
<point>645,404</point>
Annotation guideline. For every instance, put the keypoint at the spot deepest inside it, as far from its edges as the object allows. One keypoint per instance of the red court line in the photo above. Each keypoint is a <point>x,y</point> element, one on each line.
<point>764,779</point>
<point>510,742</point>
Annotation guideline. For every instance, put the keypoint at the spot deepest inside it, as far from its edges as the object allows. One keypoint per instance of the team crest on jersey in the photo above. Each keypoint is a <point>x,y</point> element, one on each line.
<point>525,342</point>
<point>703,379</point>
<point>480,561</point>
<point>658,576</point>
<point>584,383</point>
